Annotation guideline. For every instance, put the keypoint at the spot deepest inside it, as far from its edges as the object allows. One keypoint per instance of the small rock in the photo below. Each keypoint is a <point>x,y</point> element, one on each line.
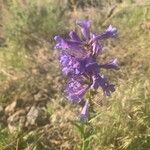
<point>12,128</point>
<point>43,117</point>
<point>1,111</point>
<point>16,121</point>
<point>32,116</point>
<point>37,116</point>
<point>27,100</point>
<point>40,97</point>
<point>37,97</point>
<point>29,135</point>
<point>27,108</point>
<point>3,121</point>
<point>16,116</point>
<point>22,122</point>
<point>11,108</point>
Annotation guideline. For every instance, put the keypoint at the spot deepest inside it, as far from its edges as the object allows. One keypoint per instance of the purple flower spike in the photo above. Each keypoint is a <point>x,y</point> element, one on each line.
<point>78,59</point>
<point>85,112</point>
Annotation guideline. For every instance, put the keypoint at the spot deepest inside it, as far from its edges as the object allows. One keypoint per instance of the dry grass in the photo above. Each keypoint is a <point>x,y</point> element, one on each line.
<point>122,123</point>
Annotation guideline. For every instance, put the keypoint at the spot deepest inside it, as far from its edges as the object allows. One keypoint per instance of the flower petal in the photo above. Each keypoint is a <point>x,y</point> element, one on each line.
<point>76,89</point>
<point>85,25</point>
<point>71,66</point>
<point>111,65</point>
<point>96,47</point>
<point>61,43</point>
<point>110,32</point>
<point>102,81</point>
<point>73,35</point>
<point>67,44</point>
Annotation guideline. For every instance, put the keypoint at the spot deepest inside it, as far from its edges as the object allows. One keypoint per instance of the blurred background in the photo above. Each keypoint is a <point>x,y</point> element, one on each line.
<point>34,114</point>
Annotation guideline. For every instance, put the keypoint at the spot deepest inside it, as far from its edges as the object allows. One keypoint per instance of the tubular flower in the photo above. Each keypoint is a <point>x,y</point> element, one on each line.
<point>76,89</point>
<point>78,60</point>
<point>85,112</point>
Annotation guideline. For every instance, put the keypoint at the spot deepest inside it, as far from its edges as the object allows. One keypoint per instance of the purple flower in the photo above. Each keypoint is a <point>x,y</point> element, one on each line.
<point>101,81</point>
<point>75,89</point>
<point>78,59</point>
<point>71,66</point>
<point>113,64</point>
<point>85,25</point>
<point>110,32</point>
<point>73,35</point>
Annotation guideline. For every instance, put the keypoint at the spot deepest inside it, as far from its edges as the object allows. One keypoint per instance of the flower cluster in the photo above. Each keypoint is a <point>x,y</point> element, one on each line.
<point>78,62</point>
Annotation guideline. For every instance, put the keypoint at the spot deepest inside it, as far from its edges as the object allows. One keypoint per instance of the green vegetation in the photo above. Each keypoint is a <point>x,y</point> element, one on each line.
<point>28,64</point>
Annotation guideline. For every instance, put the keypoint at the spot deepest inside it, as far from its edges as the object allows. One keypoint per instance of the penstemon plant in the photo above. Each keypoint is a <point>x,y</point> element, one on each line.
<point>78,59</point>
